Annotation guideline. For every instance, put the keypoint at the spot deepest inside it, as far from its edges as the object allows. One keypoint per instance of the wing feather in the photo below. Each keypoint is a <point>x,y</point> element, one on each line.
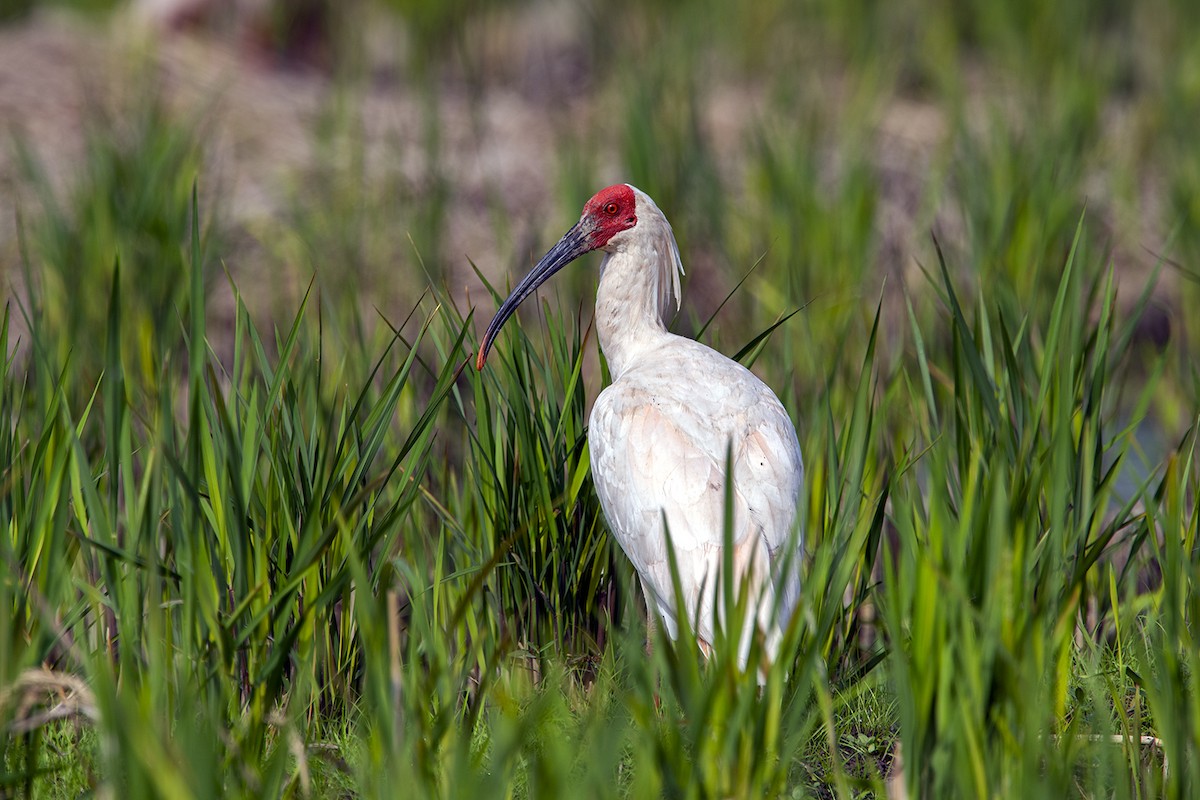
<point>659,454</point>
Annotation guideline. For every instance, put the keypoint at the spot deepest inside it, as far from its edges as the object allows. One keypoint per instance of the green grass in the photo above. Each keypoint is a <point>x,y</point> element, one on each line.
<point>315,553</point>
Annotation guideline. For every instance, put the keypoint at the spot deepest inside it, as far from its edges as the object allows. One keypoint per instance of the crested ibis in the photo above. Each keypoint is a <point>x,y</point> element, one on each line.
<point>662,435</point>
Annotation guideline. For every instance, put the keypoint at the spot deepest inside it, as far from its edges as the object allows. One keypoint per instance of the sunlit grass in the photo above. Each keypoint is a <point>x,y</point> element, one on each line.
<point>321,556</point>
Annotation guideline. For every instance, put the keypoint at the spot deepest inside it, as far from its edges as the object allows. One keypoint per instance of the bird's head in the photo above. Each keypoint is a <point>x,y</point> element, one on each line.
<point>609,212</point>
<point>606,217</point>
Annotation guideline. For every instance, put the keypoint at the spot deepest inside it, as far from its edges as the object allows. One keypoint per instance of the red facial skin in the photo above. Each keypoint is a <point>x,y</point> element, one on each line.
<point>609,212</point>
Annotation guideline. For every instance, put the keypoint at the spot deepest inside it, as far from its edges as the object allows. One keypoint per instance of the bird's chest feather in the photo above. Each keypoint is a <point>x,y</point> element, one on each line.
<point>709,402</point>
<point>660,438</point>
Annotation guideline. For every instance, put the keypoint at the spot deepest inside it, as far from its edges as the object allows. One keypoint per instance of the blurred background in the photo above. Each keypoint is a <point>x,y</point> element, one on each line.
<point>987,216</point>
<point>383,144</point>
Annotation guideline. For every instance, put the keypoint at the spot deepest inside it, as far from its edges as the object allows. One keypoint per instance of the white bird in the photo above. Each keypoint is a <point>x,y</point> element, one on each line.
<point>662,434</point>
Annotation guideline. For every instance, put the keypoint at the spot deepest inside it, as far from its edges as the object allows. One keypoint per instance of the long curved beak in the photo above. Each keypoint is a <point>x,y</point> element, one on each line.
<point>571,246</point>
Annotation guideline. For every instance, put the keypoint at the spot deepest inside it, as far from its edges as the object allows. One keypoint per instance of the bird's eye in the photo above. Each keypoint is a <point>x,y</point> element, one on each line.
<point>611,209</point>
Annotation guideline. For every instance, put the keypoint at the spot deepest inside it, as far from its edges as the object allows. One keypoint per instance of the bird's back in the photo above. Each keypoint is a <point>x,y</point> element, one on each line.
<point>661,437</point>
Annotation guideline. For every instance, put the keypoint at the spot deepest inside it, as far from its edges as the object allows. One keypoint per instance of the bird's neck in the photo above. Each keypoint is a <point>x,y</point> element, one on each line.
<point>630,308</point>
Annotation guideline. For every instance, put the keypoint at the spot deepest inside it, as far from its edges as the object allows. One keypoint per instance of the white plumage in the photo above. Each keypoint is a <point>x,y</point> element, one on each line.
<point>661,433</point>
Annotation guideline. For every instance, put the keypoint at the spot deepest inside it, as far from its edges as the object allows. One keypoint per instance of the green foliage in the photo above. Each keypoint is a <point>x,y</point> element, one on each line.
<point>328,558</point>
<point>529,460</point>
<point>1004,540</point>
<point>129,207</point>
<point>14,9</point>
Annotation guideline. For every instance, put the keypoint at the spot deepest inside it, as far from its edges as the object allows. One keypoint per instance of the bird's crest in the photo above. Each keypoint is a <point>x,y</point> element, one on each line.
<point>669,293</point>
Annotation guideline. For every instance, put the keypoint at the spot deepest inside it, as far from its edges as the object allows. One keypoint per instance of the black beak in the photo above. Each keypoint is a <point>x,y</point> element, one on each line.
<point>571,246</point>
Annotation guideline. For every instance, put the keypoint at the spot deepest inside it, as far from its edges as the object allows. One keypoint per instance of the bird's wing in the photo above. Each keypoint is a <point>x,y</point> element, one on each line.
<point>769,473</point>
<point>660,455</point>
